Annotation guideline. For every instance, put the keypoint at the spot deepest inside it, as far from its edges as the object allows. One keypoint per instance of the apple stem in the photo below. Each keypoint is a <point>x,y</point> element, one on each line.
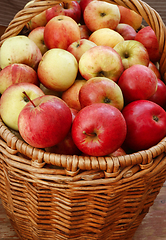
<point>29,98</point>
<point>65,5</point>
<point>90,134</point>
<point>155,118</point>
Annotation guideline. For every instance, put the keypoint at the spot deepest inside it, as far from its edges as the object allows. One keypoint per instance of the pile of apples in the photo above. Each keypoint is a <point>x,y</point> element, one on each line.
<point>84,81</point>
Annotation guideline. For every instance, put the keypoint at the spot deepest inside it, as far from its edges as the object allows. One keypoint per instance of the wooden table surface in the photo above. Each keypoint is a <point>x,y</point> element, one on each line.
<point>153,227</point>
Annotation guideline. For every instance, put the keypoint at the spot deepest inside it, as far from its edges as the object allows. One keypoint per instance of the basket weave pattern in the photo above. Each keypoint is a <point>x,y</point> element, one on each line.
<point>79,197</point>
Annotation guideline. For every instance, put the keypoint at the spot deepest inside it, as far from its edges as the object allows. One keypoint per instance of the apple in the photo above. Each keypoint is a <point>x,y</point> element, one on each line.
<point>126,31</point>
<point>73,113</point>
<point>101,90</point>
<point>79,47</point>
<point>67,145</point>
<point>148,38</point>
<point>132,52</point>
<point>71,9</point>
<point>159,96</point>
<point>83,4</point>
<point>20,49</point>
<point>13,100</point>
<point>119,152</point>
<point>58,69</point>
<point>106,37</point>
<point>54,11</point>
<point>37,36</point>
<point>155,69</point>
<point>137,82</point>
<point>48,91</point>
<point>98,129</point>
<point>37,21</point>
<point>101,14</point>
<point>101,61</point>
<point>84,31</point>
<point>130,17</point>
<point>146,123</point>
<point>71,95</point>
<point>60,32</point>
<point>15,73</point>
<point>45,121</point>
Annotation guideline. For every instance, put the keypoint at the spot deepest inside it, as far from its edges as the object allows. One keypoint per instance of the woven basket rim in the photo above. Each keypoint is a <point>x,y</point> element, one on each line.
<point>143,157</point>
<point>16,25</point>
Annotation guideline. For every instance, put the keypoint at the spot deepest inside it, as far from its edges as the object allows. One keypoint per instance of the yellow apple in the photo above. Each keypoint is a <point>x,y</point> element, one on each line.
<point>13,100</point>
<point>58,69</point>
<point>106,37</point>
<point>20,49</point>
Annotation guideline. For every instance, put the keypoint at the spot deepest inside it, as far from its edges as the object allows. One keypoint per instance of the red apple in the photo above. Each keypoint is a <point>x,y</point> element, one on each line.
<point>146,123</point>
<point>101,14</point>
<point>132,52</point>
<point>71,95</point>
<point>119,152</point>
<point>60,32</point>
<point>79,47</point>
<point>159,96</point>
<point>137,82</point>
<point>99,129</point>
<point>83,4</point>
<point>148,38</point>
<point>73,113</point>
<point>101,90</point>
<point>130,17</point>
<point>155,69</point>
<point>71,9</point>
<point>16,73</point>
<point>101,61</point>
<point>67,145</point>
<point>126,31</point>
<point>85,32</point>
<point>46,122</point>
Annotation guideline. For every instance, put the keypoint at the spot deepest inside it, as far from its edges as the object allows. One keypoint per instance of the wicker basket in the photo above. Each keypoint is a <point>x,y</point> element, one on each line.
<point>80,197</point>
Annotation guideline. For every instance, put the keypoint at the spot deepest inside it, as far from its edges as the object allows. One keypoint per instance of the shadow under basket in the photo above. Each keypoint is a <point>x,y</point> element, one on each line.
<point>49,196</point>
